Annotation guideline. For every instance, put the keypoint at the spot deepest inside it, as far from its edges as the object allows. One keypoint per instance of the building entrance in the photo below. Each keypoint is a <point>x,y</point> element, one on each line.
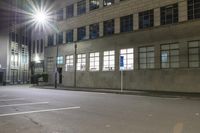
<point>1,78</point>
<point>14,76</point>
<point>60,75</point>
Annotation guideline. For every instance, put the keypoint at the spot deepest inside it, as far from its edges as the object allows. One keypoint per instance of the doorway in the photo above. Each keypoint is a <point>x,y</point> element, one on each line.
<point>14,76</point>
<point>60,75</point>
<point>1,78</point>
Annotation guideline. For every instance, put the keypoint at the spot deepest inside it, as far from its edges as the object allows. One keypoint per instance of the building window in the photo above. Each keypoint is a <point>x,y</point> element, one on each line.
<point>94,4</point>
<point>94,61</point>
<point>146,19</point>
<point>42,46</point>
<point>94,31</point>
<point>50,64</point>
<point>60,14</point>
<point>169,14</point>
<point>50,40</point>
<point>81,33</point>
<point>194,53</point>
<point>69,36</point>
<point>60,60</point>
<point>81,7</point>
<point>34,47</point>
<point>59,38</point>
<point>170,56</point>
<point>69,63</point>
<point>38,46</point>
<point>108,2</point>
<point>70,11</point>
<point>126,23</point>
<point>109,61</point>
<point>128,59</point>
<point>146,58</point>
<point>81,62</point>
<point>109,27</point>
<point>193,9</point>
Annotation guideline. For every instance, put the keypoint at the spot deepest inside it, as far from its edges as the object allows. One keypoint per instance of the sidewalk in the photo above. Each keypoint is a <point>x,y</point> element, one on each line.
<point>130,92</point>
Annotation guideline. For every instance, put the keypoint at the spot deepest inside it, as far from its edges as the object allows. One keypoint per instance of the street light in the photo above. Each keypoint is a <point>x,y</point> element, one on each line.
<point>42,19</point>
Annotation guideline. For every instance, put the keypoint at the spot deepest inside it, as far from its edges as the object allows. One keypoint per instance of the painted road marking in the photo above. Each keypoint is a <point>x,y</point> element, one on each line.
<point>23,104</point>
<point>39,111</point>
<point>6,100</point>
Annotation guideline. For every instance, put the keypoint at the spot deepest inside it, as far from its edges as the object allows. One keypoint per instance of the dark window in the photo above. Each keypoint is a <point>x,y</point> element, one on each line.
<point>109,27</point>
<point>13,36</point>
<point>126,23</point>
<point>108,2</point>
<point>59,38</point>
<point>193,9</point>
<point>60,14</point>
<point>69,36</point>
<point>42,46</point>
<point>146,19</point>
<point>17,38</point>
<point>94,31</point>
<point>81,7</point>
<point>34,46</point>
<point>38,46</point>
<point>169,14</point>
<point>81,33</point>
<point>70,11</point>
<point>50,40</point>
<point>23,40</point>
<point>94,4</point>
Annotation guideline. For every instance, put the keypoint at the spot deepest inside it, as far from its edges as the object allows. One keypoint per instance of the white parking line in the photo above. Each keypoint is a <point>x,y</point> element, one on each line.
<point>16,99</point>
<point>23,104</point>
<point>39,111</point>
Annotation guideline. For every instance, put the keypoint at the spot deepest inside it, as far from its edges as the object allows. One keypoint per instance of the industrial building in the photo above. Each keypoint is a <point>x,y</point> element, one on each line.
<point>153,44</point>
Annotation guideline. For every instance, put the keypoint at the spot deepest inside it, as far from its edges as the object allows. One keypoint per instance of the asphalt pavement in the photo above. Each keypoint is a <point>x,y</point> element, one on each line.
<point>25,109</point>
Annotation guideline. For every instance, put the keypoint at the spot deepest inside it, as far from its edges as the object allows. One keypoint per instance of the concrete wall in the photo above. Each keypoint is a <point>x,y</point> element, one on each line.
<point>182,79</point>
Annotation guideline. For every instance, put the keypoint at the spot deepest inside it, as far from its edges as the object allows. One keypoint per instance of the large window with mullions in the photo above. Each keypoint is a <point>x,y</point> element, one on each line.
<point>170,55</point>
<point>146,19</point>
<point>126,23</point>
<point>169,14</point>
<point>94,4</point>
<point>193,9</point>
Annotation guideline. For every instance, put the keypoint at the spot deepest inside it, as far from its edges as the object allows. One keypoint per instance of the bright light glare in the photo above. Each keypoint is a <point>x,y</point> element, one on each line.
<point>40,17</point>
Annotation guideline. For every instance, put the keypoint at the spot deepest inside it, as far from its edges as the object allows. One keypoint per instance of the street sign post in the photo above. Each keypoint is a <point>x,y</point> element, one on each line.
<point>121,69</point>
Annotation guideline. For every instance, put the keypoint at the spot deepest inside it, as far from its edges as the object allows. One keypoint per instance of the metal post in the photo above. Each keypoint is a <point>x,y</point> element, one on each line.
<point>122,78</point>
<point>56,68</point>
<point>75,67</point>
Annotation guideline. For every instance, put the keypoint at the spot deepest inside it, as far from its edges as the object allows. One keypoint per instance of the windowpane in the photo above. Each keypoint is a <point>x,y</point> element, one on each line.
<point>94,61</point>
<point>126,23</point>
<point>128,59</point>
<point>194,54</point>
<point>108,2</point>
<point>109,27</point>
<point>146,57</point>
<point>94,31</point>
<point>69,63</point>
<point>81,62</point>
<point>109,61</point>
<point>170,56</point>
<point>94,4</point>
<point>146,19</point>
<point>81,7</point>
<point>81,33</point>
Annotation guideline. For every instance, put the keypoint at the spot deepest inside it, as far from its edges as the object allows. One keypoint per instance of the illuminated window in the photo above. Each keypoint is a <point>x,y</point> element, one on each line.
<point>194,54</point>
<point>128,59</point>
<point>81,62</point>
<point>94,4</point>
<point>146,57</point>
<point>109,61</point>
<point>94,61</point>
<point>170,56</point>
<point>69,63</point>
<point>60,60</point>
<point>108,2</point>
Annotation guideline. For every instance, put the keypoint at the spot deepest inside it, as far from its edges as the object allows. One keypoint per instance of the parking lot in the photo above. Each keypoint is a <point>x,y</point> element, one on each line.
<point>31,110</point>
